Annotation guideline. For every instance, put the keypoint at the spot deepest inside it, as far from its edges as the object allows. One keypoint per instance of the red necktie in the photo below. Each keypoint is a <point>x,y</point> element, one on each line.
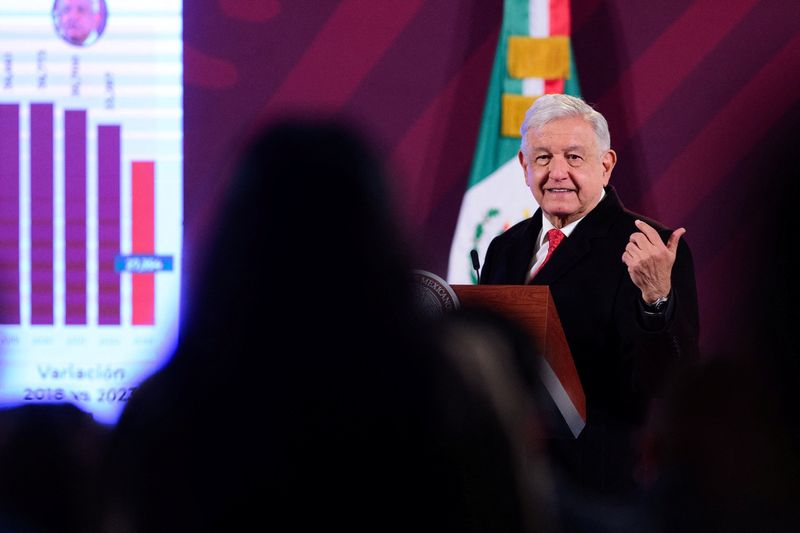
<point>554,238</point>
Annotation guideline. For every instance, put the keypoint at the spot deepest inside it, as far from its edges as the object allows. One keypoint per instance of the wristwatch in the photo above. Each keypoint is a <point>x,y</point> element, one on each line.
<point>657,307</point>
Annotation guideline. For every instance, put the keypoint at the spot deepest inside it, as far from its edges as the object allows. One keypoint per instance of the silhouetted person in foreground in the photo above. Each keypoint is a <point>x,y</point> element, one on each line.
<point>49,469</point>
<point>305,390</point>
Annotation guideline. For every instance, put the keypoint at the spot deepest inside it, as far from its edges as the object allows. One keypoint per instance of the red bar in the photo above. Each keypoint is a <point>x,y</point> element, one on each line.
<point>143,240</point>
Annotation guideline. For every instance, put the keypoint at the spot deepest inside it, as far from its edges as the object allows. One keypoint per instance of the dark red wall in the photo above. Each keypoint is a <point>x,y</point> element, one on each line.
<point>702,98</point>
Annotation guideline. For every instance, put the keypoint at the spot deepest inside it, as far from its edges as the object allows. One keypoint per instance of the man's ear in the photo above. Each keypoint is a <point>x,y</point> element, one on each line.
<point>609,161</point>
<point>521,158</point>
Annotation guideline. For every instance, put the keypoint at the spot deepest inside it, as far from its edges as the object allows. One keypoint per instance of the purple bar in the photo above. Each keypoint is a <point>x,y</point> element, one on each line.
<point>41,214</point>
<point>75,214</point>
<point>108,216</point>
<point>9,214</point>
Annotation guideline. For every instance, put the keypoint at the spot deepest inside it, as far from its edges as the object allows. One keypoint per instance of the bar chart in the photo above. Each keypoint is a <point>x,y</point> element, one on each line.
<point>42,222</point>
<point>91,191</point>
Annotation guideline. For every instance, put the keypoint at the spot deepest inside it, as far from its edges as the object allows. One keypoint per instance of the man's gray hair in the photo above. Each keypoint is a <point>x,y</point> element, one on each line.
<point>550,107</point>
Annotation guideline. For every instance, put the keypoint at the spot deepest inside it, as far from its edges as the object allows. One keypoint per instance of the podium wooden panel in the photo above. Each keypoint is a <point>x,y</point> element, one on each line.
<point>532,307</point>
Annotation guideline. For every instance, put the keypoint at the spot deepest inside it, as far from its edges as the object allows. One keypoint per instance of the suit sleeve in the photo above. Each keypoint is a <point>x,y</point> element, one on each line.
<point>656,353</point>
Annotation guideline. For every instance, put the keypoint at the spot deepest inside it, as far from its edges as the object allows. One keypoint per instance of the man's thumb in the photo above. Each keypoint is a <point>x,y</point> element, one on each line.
<point>672,243</point>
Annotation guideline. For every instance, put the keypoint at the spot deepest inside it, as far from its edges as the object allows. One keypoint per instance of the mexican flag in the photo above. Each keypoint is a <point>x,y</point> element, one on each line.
<point>533,57</point>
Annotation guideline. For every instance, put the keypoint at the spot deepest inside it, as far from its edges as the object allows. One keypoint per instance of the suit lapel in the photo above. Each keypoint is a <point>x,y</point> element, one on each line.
<point>521,251</point>
<point>596,225</point>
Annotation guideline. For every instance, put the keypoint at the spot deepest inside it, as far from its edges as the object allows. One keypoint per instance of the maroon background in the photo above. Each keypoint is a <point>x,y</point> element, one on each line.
<point>702,99</point>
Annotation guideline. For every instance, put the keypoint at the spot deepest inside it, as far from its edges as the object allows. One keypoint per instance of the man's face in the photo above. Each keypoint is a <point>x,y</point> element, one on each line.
<point>76,19</point>
<point>564,168</point>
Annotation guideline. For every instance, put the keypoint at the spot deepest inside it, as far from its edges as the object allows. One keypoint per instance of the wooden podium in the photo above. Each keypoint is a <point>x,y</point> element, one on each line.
<point>532,307</point>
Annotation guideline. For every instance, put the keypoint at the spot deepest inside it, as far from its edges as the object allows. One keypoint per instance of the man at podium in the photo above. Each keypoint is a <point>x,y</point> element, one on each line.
<point>623,286</point>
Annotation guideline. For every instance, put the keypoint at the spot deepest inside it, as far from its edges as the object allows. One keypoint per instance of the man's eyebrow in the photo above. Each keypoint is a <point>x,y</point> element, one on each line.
<point>571,148</point>
<point>575,148</point>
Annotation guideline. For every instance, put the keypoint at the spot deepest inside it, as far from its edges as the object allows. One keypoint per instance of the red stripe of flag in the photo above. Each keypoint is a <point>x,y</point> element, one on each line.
<point>559,25</point>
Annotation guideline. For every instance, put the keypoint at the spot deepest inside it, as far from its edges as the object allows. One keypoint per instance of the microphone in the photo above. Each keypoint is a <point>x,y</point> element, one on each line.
<point>476,264</point>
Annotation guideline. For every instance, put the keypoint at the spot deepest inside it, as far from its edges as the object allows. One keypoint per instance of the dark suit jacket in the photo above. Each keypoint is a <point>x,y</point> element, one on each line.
<point>621,354</point>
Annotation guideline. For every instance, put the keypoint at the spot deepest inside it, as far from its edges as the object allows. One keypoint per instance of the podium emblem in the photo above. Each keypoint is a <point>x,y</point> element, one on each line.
<point>433,295</point>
